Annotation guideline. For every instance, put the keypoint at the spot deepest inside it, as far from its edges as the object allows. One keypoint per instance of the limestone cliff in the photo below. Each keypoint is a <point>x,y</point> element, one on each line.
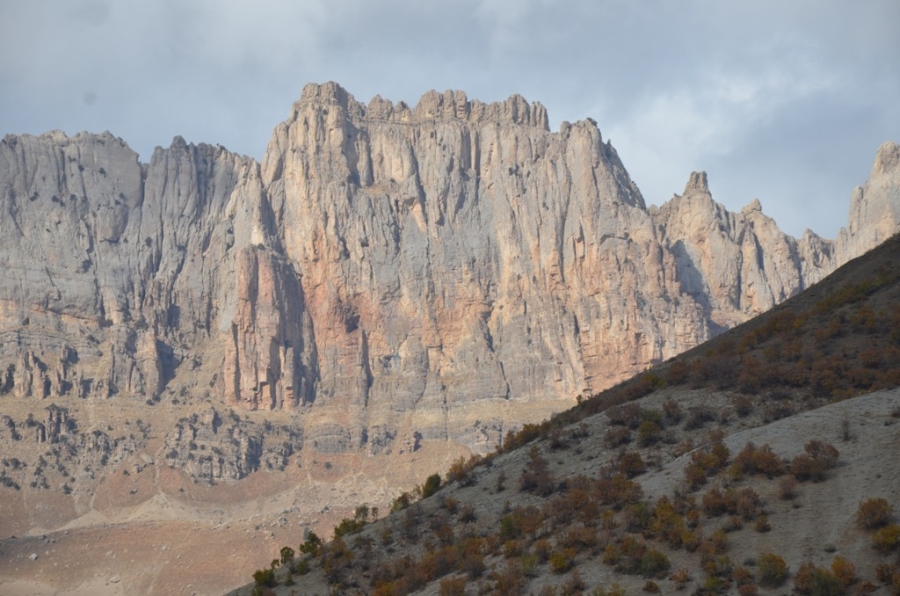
<point>874,207</point>
<point>736,265</point>
<point>390,273</point>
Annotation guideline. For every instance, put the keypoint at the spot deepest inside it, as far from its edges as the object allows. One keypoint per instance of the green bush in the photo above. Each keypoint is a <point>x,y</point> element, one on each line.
<point>264,577</point>
<point>561,561</point>
<point>654,564</point>
<point>431,486</point>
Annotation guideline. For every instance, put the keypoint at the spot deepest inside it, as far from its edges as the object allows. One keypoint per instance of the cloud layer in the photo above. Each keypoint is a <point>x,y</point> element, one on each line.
<point>786,102</point>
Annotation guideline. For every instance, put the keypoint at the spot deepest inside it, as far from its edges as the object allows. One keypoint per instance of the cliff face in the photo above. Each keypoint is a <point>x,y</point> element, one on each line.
<point>874,207</point>
<point>736,265</point>
<point>391,273</point>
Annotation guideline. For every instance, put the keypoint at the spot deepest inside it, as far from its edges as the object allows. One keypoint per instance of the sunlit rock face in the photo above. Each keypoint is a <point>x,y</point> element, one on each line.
<point>390,273</point>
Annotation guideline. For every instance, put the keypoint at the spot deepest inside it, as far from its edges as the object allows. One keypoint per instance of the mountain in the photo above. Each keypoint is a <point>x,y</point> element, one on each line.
<point>701,473</point>
<point>391,288</point>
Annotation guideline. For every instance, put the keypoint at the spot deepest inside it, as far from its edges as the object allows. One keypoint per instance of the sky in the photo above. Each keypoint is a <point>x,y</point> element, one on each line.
<point>786,101</point>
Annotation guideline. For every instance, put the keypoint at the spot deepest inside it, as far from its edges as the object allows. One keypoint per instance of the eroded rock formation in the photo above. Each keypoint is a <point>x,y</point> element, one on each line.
<point>392,273</point>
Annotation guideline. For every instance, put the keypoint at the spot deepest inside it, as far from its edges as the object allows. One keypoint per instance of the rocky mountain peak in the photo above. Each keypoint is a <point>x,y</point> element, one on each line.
<point>753,206</point>
<point>697,183</point>
<point>874,207</point>
<point>433,105</point>
<point>887,158</point>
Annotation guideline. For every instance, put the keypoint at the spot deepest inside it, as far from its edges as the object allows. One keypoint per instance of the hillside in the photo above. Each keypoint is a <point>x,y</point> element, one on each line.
<point>707,473</point>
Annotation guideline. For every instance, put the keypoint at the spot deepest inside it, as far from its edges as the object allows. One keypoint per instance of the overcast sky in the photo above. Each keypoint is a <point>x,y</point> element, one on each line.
<point>782,100</point>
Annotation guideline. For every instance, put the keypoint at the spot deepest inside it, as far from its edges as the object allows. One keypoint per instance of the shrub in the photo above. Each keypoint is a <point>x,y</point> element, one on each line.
<point>748,504</point>
<point>616,437</point>
<point>887,538</point>
<point>459,472</point>
<point>614,590</point>
<point>762,524</point>
<point>651,586</point>
<point>742,575</point>
<point>883,573</point>
<point>542,549</point>
<point>816,581</point>
<point>771,570</point>
<point>822,451</point>
<point>648,433</point>
<point>743,405</point>
<point>625,415</point>
<point>431,486</point>
<point>264,577</point>
<point>617,491</point>
<point>348,526</point>
<point>561,561</point>
<point>312,545</point>
<point>787,488</point>
<point>672,413</point>
<point>654,564</point>
<point>632,464</point>
<point>804,467</point>
<point>677,373</point>
<point>748,590</point>
<point>818,459</point>
<point>529,562</point>
<point>453,586</point>
<point>510,581</point>
<point>536,476</point>
<point>612,554</point>
<point>574,585</point>
<point>759,460</point>
<point>698,416</point>
<point>844,572</point>
<point>579,538</point>
<point>873,513</point>
<point>716,502</point>
<point>681,578</point>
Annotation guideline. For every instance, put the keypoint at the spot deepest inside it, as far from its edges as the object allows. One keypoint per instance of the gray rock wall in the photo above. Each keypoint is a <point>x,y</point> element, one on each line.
<point>386,270</point>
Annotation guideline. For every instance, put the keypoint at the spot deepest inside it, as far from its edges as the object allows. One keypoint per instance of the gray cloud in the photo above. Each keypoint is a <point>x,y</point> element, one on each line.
<point>786,102</point>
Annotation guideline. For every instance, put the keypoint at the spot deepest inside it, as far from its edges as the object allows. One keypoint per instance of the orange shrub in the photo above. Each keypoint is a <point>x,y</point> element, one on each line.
<point>887,538</point>
<point>616,437</point>
<point>681,578</point>
<point>617,491</point>
<point>453,586</point>
<point>748,504</point>
<point>873,513</point>
<point>787,488</point>
<point>844,571</point>
<point>804,467</point>
<point>632,464</point>
<point>717,502</point>
<point>742,575</point>
<point>759,460</point>
<point>816,581</point>
<point>561,561</point>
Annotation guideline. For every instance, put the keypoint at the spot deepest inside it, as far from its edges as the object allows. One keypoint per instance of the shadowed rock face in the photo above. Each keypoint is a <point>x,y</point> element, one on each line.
<point>395,272</point>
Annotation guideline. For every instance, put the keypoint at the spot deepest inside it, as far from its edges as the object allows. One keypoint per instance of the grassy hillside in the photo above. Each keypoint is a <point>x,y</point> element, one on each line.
<point>764,461</point>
